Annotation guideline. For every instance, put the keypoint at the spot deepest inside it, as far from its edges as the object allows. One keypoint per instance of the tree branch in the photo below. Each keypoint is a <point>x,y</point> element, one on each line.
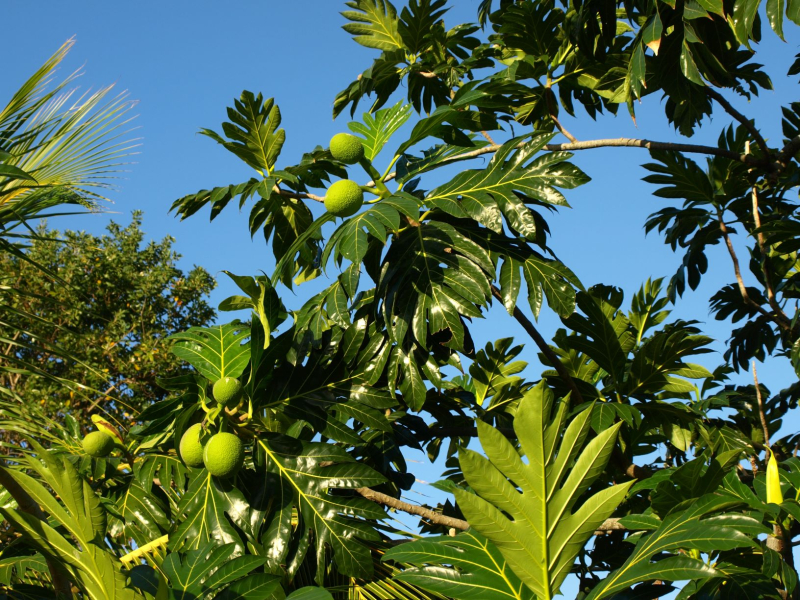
<point>440,519</point>
<point>552,110</point>
<point>631,470</point>
<point>791,148</point>
<point>761,414</point>
<point>747,123</point>
<point>298,195</point>
<point>572,146</point>
<point>413,509</point>
<point>762,246</point>
<point>737,271</point>
<point>529,328</point>
<point>621,143</point>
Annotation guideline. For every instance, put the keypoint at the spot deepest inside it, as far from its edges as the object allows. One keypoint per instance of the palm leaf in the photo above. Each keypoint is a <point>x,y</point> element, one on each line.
<point>60,141</point>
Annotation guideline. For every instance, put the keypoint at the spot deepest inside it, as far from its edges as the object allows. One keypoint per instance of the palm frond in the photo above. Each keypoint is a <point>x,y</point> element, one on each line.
<point>70,146</point>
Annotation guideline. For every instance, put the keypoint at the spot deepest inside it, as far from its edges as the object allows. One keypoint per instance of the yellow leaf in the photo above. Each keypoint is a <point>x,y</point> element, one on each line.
<point>105,426</point>
<point>774,494</point>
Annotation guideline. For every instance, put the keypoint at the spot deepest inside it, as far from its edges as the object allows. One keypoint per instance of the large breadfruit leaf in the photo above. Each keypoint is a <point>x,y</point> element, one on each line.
<point>525,507</point>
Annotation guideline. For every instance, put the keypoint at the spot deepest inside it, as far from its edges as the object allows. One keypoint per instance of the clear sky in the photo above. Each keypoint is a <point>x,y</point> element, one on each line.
<point>185,62</point>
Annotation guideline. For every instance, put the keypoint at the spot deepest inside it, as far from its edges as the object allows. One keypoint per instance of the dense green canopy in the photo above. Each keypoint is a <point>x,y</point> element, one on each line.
<point>625,469</point>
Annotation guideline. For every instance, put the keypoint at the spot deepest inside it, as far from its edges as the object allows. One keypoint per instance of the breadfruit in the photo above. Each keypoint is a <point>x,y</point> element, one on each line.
<point>347,148</point>
<point>344,198</point>
<point>227,391</point>
<point>223,455</point>
<point>98,444</point>
<point>191,448</point>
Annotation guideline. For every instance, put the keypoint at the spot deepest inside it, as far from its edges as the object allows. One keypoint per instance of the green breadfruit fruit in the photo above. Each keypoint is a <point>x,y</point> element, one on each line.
<point>347,148</point>
<point>191,447</point>
<point>223,455</point>
<point>227,391</point>
<point>344,198</point>
<point>98,444</point>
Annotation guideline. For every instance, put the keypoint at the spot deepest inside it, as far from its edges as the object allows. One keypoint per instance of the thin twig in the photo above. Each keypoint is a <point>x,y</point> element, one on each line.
<point>740,282</point>
<point>531,330</point>
<point>631,470</point>
<point>552,109</point>
<point>762,246</point>
<point>761,414</point>
<point>748,124</point>
<point>299,195</point>
<point>563,129</point>
<point>488,137</point>
<point>440,519</point>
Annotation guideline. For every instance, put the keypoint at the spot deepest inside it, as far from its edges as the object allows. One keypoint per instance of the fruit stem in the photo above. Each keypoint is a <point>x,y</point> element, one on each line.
<point>370,190</point>
<point>376,177</point>
<point>389,168</point>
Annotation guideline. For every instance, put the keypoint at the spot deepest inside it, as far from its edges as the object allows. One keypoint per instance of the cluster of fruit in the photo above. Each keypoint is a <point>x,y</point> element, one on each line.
<point>345,197</point>
<point>222,454</point>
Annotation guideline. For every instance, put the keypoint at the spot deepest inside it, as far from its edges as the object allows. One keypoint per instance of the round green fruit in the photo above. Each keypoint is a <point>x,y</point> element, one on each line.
<point>347,148</point>
<point>344,198</point>
<point>227,391</point>
<point>191,448</point>
<point>223,455</point>
<point>98,444</point>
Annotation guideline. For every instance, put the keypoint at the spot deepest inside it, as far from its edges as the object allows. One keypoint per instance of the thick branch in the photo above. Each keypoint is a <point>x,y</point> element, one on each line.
<point>413,509</point>
<point>621,143</point>
<point>747,123</point>
<point>791,148</point>
<point>440,519</point>
<point>28,505</point>
<point>573,146</point>
<point>650,145</point>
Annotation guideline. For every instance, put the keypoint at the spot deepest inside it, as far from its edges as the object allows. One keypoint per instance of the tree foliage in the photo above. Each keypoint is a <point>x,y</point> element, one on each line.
<point>108,301</point>
<point>629,467</point>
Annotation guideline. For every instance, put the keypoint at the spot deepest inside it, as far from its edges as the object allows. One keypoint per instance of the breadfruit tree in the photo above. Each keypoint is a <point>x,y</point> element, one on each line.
<point>625,469</point>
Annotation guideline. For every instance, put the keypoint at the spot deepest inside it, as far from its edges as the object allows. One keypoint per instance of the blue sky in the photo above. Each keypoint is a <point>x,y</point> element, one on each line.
<point>185,62</point>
